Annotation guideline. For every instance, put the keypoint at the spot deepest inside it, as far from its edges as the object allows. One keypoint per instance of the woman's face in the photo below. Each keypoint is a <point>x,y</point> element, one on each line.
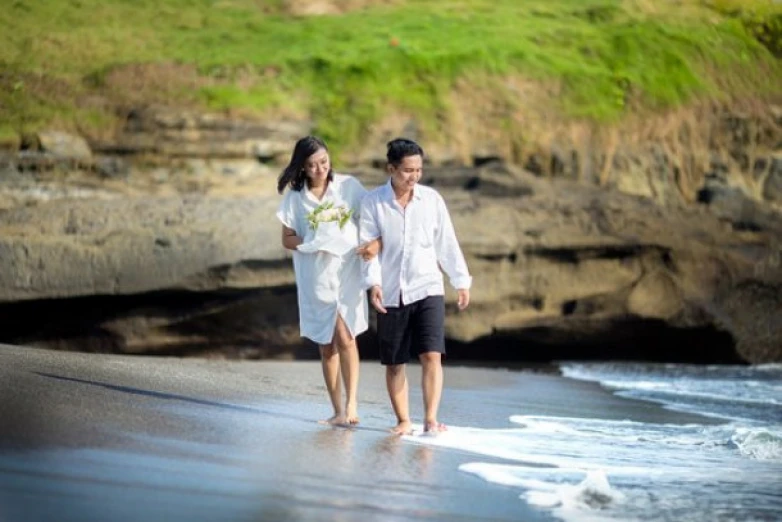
<point>317,167</point>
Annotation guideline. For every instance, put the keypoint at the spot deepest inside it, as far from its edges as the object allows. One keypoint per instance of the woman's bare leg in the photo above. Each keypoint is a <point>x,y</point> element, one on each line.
<point>349,364</point>
<point>330,362</point>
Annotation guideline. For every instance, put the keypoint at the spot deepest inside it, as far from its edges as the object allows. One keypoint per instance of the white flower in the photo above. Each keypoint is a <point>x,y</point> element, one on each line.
<point>332,214</point>
<point>327,212</point>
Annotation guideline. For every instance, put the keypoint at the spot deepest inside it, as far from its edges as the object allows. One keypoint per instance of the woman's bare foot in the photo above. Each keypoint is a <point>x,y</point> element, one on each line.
<point>338,419</point>
<point>434,427</point>
<point>351,419</point>
<point>404,427</point>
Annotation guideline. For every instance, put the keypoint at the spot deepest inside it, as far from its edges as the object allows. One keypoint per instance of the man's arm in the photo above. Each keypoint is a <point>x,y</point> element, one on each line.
<point>368,231</point>
<point>450,256</point>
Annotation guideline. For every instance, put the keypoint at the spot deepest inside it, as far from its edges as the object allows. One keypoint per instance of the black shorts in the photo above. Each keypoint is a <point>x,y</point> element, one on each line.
<point>417,326</point>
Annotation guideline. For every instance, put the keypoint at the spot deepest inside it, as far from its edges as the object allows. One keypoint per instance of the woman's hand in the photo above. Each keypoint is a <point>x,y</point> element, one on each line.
<point>369,250</point>
<point>289,238</point>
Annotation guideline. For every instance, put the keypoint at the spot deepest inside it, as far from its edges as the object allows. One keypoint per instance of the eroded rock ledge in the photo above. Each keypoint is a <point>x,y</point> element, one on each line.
<point>562,270</point>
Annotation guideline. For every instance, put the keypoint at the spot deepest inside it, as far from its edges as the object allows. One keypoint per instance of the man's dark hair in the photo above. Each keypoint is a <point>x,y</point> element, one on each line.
<point>294,175</point>
<point>400,148</point>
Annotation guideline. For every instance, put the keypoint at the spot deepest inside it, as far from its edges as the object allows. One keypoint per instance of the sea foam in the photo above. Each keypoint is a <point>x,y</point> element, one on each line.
<point>593,469</point>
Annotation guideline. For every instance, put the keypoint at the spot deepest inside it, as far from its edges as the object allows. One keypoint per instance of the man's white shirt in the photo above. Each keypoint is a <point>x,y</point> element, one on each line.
<point>418,240</point>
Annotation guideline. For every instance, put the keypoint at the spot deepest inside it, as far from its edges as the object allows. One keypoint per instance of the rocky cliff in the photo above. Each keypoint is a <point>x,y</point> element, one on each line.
<point>163,240</point>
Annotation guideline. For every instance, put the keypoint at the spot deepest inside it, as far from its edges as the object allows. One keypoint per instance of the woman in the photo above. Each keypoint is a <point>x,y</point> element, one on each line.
<point>331,297</point>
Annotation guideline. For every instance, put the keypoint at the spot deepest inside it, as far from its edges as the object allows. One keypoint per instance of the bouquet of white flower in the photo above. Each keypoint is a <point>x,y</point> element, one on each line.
<point>326,223</point>
<point>327,212</point>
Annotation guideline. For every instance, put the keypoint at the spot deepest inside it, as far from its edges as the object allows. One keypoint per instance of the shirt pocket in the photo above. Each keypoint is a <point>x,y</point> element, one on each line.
<point>425,237</point>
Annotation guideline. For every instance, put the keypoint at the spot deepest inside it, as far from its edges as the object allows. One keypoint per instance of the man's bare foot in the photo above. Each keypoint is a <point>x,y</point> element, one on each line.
<point>336,420</point>
<point>404,427</point>
<point>434,427</point>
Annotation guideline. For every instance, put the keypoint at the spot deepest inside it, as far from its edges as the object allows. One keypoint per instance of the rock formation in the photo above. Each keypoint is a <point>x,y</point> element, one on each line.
<point>562,268</point>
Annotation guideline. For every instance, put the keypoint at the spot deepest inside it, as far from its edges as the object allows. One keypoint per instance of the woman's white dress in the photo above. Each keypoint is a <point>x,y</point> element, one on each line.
<point>327,284</point>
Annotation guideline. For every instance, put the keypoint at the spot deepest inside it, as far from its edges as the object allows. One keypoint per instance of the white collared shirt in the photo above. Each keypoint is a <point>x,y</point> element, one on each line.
<point>418,240</point>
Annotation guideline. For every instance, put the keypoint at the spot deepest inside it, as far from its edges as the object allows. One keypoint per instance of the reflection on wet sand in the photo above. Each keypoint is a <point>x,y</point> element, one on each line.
<point>397,456</point>
<point>391,453</point>
<point>333,439</point>
<point>127,439</point>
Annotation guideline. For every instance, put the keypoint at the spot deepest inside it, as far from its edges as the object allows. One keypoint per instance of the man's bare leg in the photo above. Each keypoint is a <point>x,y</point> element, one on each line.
<point>349,364</point>
<point>432,388</point>
<point>396,382</point>
<point>329,361</point>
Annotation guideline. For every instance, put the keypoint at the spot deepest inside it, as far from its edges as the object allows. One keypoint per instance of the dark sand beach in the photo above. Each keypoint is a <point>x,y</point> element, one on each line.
<point>88,437</point>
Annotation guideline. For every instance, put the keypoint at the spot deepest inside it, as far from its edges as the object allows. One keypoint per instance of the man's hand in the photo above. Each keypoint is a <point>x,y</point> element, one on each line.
<point>463,298</point>
<point>376,298</point>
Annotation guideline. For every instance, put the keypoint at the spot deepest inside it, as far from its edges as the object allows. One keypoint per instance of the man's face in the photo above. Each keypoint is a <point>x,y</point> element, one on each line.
<point>317,167</point>
<point>405,175</point>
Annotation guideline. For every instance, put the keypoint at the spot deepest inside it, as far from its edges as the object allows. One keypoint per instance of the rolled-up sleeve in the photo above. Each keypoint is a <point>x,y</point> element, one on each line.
<point>449,254</point>
<point>285,212</point>
<point>369,231</point>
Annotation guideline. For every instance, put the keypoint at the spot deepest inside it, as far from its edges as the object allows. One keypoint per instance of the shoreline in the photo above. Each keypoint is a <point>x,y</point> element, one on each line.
<point>109,437</point>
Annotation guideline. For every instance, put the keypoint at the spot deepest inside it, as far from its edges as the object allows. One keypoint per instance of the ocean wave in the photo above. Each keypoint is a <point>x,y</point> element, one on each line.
<point>751,394</point>
<point>759,443</point>
<point>588,469</point>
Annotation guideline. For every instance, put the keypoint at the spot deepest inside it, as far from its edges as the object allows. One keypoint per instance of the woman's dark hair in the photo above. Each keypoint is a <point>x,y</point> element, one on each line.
<point>400,148</point>
<point>294,175</point>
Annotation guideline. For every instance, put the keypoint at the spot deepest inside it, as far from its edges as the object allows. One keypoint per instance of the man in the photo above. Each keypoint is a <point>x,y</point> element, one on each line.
<point>405,281</point>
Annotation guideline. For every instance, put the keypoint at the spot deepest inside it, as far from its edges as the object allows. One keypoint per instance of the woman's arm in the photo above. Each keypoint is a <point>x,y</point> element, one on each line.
<point>289,238</point>
<point>369,250</point>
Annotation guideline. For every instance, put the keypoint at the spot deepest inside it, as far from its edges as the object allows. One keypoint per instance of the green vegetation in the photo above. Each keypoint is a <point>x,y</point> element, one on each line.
<point>763,20</point>
<point>605,56</point>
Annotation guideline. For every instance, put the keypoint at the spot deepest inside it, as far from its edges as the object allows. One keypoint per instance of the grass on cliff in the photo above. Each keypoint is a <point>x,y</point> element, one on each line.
<point>75,63</point>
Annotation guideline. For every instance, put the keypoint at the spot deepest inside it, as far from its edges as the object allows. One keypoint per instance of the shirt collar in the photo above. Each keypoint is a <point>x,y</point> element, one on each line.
<point>389,191</point>
<point>329,191</point>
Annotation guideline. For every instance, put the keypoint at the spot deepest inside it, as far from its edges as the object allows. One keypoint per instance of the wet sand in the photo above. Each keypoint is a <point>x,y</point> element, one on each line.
<point>88,437</point>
